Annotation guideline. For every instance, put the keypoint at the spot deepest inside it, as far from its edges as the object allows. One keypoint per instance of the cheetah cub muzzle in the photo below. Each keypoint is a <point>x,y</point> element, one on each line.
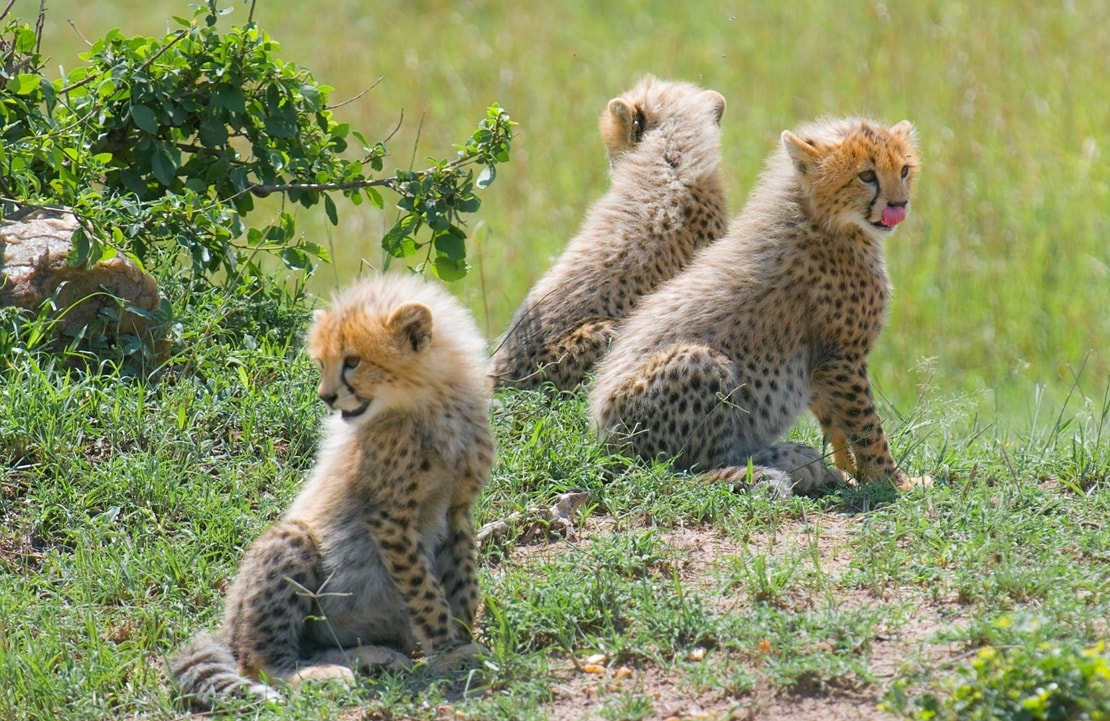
<point>376,556</point>
<point>713,368</point>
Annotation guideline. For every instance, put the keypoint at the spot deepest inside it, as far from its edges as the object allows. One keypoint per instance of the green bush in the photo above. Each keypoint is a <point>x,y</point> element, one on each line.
<point>160,147</point>
<point>1031,681</point>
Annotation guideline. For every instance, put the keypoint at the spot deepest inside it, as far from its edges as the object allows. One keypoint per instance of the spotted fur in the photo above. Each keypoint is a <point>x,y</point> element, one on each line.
<point>665,201</point>
<point>376,556</point>
<point>715,366</point>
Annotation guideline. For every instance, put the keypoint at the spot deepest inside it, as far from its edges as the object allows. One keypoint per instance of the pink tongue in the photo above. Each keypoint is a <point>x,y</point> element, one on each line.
<point>893,215</point>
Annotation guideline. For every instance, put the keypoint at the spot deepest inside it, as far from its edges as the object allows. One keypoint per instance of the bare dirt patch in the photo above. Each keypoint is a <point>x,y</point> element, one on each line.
<point>20,550</point>
<point>586,691</point>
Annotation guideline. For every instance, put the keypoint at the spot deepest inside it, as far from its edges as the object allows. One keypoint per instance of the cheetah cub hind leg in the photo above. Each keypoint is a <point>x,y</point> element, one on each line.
<point>803,465</point>
<point>456,656</point>
<point>578,350</point>
<point>340,664</point>
<point>700,430</point>
<point>780,471</point>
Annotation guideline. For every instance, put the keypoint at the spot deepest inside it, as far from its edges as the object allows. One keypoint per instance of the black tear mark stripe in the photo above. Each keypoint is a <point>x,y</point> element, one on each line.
<point>874,198</point>
<point>345,382</point>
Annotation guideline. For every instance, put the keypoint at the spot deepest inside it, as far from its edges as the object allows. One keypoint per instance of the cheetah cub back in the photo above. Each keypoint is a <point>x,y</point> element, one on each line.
<point>376,556</point>
<point>665,201</point>
<point>714,367</point>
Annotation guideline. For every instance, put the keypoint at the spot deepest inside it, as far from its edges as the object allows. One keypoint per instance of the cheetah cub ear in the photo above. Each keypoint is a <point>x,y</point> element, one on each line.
<point>624,123</point>
<point>718,101</point>
<point>904,130</point>
<point>803,153</point>
<point>411,324</point>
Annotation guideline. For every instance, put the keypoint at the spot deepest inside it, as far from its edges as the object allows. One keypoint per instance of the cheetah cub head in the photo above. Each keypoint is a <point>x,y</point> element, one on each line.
<point>856,173</point>
<point>367,359</point>
<point>657,104</point>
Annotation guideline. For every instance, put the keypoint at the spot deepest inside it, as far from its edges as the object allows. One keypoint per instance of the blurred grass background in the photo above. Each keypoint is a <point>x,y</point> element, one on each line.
<point>1002,274</point>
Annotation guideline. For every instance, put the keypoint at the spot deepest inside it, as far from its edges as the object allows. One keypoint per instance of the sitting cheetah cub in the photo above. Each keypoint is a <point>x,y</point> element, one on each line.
<point>781,313</point>
<point>376,554</point>
<point>665,201</point>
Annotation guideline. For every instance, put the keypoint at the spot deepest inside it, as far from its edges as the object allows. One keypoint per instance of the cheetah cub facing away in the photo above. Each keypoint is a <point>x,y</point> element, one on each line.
<point>376,554</point>
<point>781,313</point>
<point>665,201</point>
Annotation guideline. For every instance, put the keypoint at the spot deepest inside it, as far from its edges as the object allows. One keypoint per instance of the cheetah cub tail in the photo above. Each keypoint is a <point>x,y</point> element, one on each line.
<point>206,672</point>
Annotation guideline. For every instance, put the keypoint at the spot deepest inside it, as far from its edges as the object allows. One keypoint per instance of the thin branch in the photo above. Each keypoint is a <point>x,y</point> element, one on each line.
<point>261,190</point>
<point>250,15</point>
<point>416,143</point>
<point>218,152</point>
<point>25,209</point>
<point>350,100</point>
<point>397,127</point>
<point>7,10</point>
<point>79,33</point>
<point>39,22</point>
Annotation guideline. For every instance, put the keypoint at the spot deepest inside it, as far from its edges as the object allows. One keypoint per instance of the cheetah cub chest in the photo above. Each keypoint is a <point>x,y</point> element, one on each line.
<point>376,555</point>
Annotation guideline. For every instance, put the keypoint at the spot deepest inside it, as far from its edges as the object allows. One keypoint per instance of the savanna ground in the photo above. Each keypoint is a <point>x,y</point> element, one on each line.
<point>126,503</point>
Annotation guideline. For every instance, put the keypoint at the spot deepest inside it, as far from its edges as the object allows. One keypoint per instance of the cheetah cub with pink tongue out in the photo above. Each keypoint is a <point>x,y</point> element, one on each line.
<point>716,365</point>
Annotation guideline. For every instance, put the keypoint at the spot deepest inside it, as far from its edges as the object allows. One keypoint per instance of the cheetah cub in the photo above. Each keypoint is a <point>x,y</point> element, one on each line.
<point>666,200</point>
<point>781,313</point>
<point>377,553</point>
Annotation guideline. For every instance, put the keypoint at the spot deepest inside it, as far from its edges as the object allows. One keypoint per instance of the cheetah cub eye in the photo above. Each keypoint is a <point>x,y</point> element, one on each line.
<point>869,177</point>
<point>351,362</point>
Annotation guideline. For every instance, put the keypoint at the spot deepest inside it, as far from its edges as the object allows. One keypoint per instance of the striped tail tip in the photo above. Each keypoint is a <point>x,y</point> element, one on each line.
<point>207,675</point>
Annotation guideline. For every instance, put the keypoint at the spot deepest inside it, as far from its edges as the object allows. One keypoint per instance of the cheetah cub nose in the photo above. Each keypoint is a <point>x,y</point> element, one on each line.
<point>328,398</point>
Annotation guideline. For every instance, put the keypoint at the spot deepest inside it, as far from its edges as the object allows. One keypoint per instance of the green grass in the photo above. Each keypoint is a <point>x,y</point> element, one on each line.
<point>1001,271</point>
<point>125,502</point>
